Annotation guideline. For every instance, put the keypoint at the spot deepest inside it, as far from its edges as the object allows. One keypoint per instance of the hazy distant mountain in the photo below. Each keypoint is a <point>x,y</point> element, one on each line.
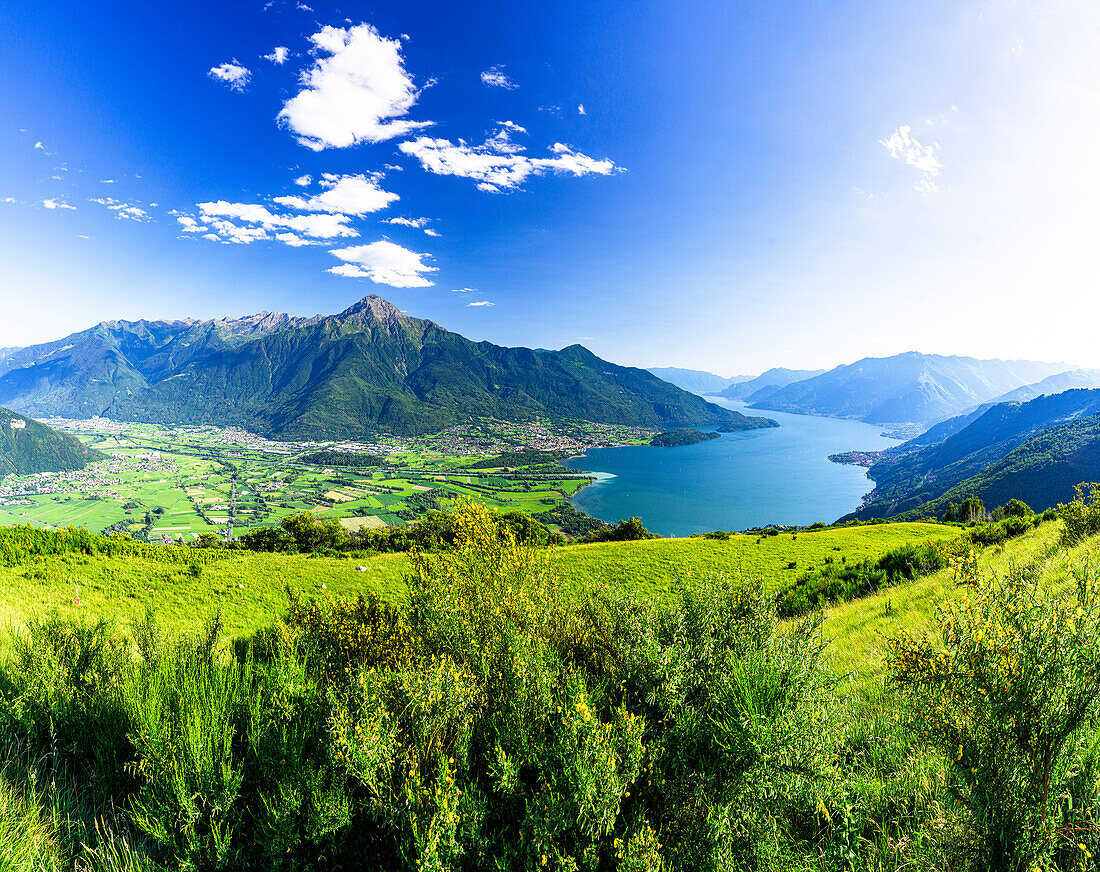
<point>369,368</point>
<point>911,388</point>
<point>27,446</point>
<point>1053,384</point>
<point>1034,451</point>
<point>766,384</point>
<point>696,381</point>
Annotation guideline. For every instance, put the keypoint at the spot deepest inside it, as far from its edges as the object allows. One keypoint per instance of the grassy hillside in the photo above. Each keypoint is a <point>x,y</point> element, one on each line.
<point>27,446</point>
<point>859,631</point>
<point>505,721</point>
<point>187,586</point>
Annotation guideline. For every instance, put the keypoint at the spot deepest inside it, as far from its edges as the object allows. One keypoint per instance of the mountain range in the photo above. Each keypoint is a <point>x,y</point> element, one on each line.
<point>766,384</point>
<point>1034,451</point>
<point>906,389</point>
<point>696,381</point>
<point>27,446</point>
<point>370,368</point>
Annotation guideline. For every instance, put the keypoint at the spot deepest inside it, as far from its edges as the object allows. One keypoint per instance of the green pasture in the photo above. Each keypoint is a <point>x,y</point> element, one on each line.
<point>859,631</point>
<point>124,586</point>
<point>658,564</point>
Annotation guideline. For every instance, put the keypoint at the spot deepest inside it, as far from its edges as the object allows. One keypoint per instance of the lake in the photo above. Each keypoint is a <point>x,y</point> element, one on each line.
<point>780,475</point>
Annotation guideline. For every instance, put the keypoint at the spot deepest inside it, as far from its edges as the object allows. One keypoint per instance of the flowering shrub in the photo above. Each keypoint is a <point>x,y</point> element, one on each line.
<point>1007,689</point>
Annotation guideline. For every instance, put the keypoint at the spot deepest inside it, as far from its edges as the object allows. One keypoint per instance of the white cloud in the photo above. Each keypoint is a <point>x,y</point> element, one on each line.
<point>53,203</point>
<point>232,74</point>
<point>397,168</point>
<point>384,263</point>
<point>39,145</point>
<point>417,223</point>
<point>512,126</point>
<point>498,164</point>
<point>354,91</point>
<point>9,199</point>
<point>902,146</point>
<point>346,195</point>
<point>293,239</point>
<point>463,290</point>
<point>481,303</point>
<point>108,181</point>
<point>278,55</point>
<point>304,181</point>
<point>496,78</point>
<point>580,109</point>
<point>122,210</point>
<point>190,225</point>
<point>220,216</point>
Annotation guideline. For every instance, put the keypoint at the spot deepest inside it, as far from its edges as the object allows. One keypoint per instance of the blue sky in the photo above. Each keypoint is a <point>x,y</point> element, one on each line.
<point>748,184</point>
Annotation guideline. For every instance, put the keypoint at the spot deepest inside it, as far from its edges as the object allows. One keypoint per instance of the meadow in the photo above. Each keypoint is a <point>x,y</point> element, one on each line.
<point>188,586</point>
<point>632,706</point>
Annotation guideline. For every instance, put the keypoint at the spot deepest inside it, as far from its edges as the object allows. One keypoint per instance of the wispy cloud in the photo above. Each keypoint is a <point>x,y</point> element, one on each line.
<point>122,210</point>
<point>580,109</point>
<point>231,73</point>
<point>499,164</point>
<point>463,290</point>
<point>902,146</point>
<point>481,303</point>
<point>347,195</point>
<point>278,55</point>
<point>356,91</point>
<point>244,223</point>
<point>495,77</point>
<point>384,263</point>
<point>54,203</point>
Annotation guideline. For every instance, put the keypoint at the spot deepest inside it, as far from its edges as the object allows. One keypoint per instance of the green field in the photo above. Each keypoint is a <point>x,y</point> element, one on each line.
<point>124,586</point>
<point>658,564</point>
<point>175,484</point>
<point>858,631</point>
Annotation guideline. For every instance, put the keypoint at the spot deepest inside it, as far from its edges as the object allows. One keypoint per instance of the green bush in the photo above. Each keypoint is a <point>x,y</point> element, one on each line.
<point>1081,517</point>
<point>1008,691</point>
<point>833,583</point>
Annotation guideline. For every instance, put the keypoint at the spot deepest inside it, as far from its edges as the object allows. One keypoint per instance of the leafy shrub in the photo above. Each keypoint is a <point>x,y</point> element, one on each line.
<point>1008,689</point>
<point>1081,517</point>
<point>833,583</point>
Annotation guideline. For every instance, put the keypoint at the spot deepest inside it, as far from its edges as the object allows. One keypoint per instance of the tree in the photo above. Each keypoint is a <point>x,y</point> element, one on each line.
<point>971,509</point>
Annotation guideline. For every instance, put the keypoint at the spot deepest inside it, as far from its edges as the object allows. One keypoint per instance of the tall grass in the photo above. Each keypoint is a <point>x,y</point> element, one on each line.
<point>504,719</point>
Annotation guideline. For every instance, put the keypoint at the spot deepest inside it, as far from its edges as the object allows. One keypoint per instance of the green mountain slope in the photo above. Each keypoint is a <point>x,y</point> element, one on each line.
<point>1004,450</point>
<point>27,446</point>
<point>910,388</point>
<point>1042,472</point>
<point>369,368</point>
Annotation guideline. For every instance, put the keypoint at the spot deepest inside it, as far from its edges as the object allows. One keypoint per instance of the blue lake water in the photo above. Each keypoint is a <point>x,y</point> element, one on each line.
<point>781,475</point>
